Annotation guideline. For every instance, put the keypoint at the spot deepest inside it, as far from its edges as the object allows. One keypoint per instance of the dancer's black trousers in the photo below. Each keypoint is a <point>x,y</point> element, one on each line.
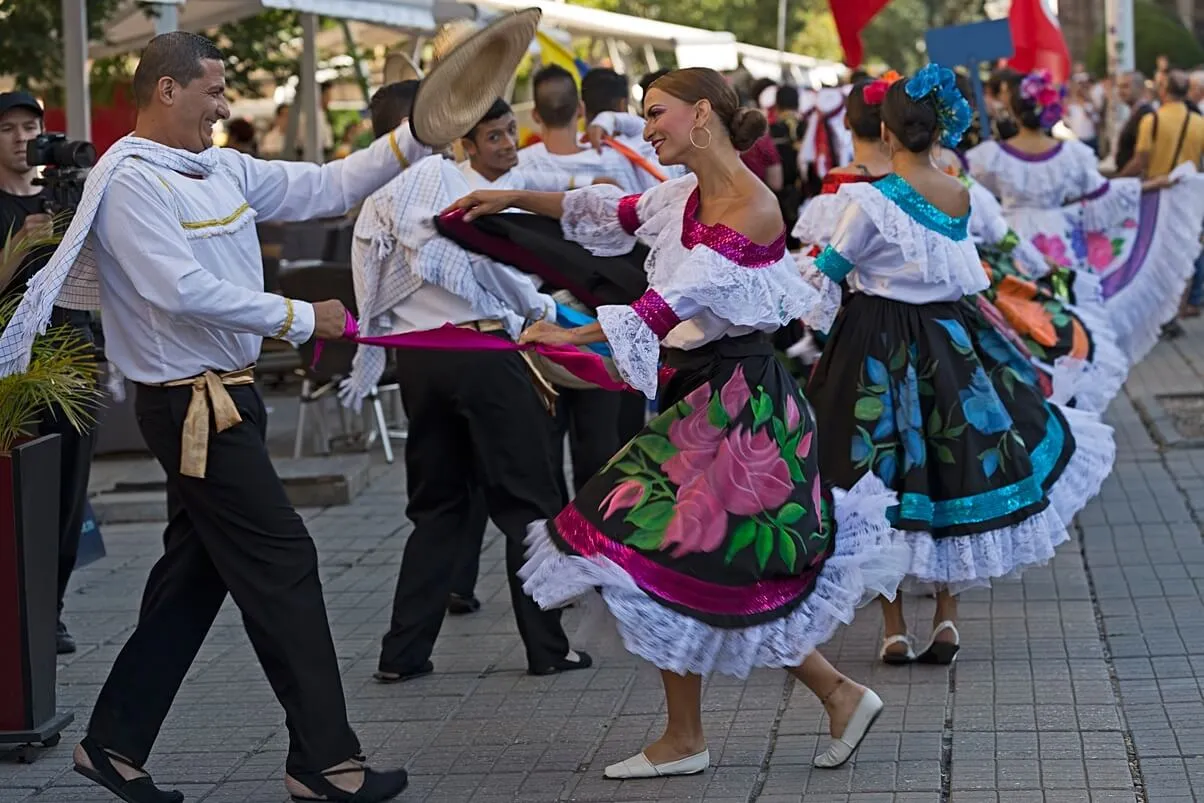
<point>591,420</point>
<point>234,531</point>
<point>477,427</point>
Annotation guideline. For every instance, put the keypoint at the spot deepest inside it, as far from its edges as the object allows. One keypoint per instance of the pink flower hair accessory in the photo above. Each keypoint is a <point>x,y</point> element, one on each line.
<point>1039,89</point>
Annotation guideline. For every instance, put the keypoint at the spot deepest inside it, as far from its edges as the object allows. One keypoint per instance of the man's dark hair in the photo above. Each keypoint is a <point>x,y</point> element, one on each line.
<point>650,79</point>
<point>499,109</point>
<point>390,105</point>
<point>787,98</point>
<point>556,98</point>
<point>176,55</point>
<point>999,77</point>
<point>241,130</point>
<point>603,90</point>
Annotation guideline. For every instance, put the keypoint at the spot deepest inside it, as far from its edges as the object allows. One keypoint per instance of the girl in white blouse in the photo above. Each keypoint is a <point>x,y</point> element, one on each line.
<point>713,541</point>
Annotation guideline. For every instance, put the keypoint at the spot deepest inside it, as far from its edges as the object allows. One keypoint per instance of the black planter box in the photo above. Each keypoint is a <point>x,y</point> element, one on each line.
<point>29,504</point>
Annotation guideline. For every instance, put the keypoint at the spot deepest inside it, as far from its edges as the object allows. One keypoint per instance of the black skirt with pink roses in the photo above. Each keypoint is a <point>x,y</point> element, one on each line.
<point>711,531</point>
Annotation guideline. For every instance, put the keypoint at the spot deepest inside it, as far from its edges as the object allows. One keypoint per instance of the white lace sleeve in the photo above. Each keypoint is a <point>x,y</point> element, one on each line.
<point>605,220</point>
<point>1105,202</point>
<point>818,219</point>
<point>635,333</point>
<point>823,314</point>
<point>601,219</point>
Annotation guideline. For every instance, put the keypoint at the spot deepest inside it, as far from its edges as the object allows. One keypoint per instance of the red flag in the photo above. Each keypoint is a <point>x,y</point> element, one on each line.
<point>1037,39</point>
<point>851,18</point>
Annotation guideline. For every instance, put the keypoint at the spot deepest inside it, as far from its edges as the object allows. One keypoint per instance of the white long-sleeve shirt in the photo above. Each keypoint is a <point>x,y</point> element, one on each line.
<point>179,264</point>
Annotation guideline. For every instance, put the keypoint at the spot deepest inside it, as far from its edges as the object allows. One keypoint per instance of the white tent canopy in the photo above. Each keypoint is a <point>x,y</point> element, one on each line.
<point>693,47</point>
<point>764,62</point>
<point>131,28</point>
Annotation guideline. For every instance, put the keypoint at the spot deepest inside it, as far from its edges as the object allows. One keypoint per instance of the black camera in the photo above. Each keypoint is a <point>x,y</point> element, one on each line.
<point>67,162</point>
<point>57,150</point>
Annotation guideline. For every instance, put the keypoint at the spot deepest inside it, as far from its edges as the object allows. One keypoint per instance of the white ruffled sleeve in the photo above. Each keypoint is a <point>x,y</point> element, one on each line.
<point>1105,202</point>
<point>852,239</point>
<point>605,220</point>
<point>634,333</point>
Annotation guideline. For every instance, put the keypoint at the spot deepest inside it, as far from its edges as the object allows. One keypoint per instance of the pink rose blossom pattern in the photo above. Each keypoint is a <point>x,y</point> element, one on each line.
<point>749,474</point>
<point>793,416</point>
<point>735,393</point>
<point>1052,247</point>
<point>696,440</point>
<point>624,495</point>
<point>1099,250</point>
<point>804,446</point>
<point>699,523</point>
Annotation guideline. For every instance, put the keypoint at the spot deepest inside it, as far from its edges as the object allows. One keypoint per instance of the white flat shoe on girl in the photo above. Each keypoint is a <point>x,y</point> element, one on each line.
<point>864,716</point>
<point>638,766</point>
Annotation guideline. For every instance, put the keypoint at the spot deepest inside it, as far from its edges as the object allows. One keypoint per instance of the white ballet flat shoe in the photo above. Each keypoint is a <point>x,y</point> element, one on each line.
<point>864,716</point>
<point>638,766</point>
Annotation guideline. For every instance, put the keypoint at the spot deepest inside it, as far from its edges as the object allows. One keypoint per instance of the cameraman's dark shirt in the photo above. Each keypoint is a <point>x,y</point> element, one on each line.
<point>13,211</point>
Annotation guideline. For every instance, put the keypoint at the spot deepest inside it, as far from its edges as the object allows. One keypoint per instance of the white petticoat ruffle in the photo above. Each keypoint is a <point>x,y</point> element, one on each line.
<point>864,565</point>
<point>963,562</point>
<point>1139,311</point>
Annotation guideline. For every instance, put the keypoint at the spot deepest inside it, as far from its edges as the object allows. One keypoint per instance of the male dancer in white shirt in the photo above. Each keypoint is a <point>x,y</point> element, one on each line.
<point>184,315</point>
<point>481,439</point>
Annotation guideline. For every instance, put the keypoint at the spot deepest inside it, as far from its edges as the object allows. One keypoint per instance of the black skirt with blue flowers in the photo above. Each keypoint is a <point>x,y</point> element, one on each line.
<point>943,409</point>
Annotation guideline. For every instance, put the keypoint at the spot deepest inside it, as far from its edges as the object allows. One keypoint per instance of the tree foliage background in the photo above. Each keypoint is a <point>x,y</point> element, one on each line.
<point>31,39</point>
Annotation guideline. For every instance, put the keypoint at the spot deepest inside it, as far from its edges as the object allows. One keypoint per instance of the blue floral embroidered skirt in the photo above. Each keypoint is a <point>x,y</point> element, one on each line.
<point>711,536</point>
<point>940,406</point>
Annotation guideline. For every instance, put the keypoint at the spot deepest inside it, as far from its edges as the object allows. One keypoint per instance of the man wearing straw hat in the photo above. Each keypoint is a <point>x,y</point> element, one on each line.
<point>164,244</point>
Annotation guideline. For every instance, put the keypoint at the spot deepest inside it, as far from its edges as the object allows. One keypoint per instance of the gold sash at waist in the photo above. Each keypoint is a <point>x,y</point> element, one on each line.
<point>208,393</point>
<point>547,393</point>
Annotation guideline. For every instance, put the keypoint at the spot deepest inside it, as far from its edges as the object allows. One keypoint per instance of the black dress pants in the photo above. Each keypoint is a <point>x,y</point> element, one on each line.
<point>468,566</point>
<point>477,427</point>
<point>591,420</point>
<point>233,532</point>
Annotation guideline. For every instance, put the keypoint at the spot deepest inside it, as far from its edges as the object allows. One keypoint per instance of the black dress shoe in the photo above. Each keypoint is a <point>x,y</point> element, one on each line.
<point>63,641</point>
<point>458,605</point>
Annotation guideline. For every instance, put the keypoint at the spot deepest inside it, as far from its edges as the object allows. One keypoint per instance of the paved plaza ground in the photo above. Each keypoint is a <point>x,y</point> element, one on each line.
<point>1080,683</point>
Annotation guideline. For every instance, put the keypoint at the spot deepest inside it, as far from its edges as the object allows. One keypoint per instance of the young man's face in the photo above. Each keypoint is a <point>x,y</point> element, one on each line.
<point>493,146</point>
<point>17,128</point>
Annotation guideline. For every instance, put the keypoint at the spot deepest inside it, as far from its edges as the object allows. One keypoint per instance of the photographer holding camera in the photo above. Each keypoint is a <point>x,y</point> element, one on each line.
<point>26,212</point>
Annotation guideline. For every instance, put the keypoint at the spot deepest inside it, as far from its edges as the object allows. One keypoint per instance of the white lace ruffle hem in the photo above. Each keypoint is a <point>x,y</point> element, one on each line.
<point>864,565</point>
<point>973,561</point>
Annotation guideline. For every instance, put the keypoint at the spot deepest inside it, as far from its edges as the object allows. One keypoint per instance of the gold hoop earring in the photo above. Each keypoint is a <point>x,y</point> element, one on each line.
<point>695,144</point>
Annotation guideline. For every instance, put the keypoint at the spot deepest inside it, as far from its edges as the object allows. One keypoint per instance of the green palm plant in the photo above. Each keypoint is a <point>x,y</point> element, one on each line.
<point>62,367</point>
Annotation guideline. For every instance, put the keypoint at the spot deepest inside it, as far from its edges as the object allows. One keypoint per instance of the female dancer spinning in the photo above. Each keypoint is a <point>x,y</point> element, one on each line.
<point>943,407</point>
<point>712,539</point>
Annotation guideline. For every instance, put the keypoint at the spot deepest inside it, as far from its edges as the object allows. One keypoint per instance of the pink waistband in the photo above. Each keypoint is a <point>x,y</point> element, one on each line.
<point>584,365</point>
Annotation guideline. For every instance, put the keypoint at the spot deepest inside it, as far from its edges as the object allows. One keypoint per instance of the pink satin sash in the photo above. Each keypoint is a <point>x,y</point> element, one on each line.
<point>584,365</point>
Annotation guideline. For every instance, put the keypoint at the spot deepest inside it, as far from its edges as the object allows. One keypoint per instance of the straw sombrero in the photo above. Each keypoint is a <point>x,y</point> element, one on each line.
<point>458,91</point>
